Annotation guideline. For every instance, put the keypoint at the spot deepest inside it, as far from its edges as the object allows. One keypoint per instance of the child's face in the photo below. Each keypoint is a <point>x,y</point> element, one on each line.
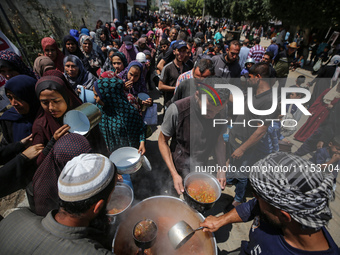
<point>334,148</point>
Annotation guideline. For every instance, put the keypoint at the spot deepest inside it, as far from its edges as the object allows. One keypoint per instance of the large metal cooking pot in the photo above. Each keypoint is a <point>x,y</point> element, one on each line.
<point>209,179</point>
<point>166,211</point>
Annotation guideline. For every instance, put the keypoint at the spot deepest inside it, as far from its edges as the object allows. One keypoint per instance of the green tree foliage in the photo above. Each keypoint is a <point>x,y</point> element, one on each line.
<point>178,6</point>
<point>312,13</point>
<point>194,7</point>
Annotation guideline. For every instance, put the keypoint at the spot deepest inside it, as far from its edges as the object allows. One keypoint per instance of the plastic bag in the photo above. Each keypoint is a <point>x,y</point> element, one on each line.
<point>151,115</point>
<point>317,65</point>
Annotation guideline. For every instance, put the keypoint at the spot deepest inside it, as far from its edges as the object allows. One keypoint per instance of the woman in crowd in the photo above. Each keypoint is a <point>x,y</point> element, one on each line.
<point>52,51</point>
<point>102,39</point>
<point>11,65</point>
<point>43,64</point>
<point>116,44</point>
<point>121,123</point>
<point>92,56</point>
<point>16,123</point>
<point>128,48</point>
<point>108,63</point>
<point>149,42</point>
<point>114,34</point>
<point>56,98</point>
<point>76,74</point>
<point>132,76</point>
<point>45,179</point>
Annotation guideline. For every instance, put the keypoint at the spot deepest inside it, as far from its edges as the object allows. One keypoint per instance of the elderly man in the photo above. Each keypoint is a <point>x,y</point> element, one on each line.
<point>290,209</point>
<point>78,227</point>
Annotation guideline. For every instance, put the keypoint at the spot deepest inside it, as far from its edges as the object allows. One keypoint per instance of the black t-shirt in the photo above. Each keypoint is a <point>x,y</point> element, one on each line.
<point>168,56</point>
<point>169,77</point>
<point>208,34</point>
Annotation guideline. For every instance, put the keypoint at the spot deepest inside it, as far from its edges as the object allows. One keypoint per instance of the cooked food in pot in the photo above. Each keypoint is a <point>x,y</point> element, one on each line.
<point>145,231</point>
<point>201,191</point>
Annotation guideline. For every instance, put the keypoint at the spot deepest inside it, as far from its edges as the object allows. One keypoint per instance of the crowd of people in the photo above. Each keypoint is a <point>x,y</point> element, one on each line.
<point>68,177</point>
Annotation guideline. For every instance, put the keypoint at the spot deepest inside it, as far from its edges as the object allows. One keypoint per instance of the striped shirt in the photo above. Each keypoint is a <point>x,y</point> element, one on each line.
<point>256,53</point>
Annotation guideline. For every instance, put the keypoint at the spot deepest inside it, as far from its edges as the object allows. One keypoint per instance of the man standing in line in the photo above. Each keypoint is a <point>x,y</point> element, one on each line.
<point>226,66</point>
<point>257,51</point>
<point>243,138</point>
<point>172,71</point>
<point>244,53</point>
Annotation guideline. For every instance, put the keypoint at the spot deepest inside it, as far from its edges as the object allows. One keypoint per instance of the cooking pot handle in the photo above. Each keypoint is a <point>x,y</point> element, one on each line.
<point>146,163</point>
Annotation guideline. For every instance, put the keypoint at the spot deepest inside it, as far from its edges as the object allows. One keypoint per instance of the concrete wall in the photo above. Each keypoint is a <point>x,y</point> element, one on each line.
<point>53,17</point>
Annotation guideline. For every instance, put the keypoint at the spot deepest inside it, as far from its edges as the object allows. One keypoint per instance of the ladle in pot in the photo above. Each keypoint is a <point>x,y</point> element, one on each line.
<point>180,233</point>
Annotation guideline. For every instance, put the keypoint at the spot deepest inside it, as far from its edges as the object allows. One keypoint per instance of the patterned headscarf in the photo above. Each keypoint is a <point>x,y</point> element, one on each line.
<point>41,64</point>
<point>48,41</point>
<point>45,179</point>
<point>138,86</point>
<point>84,77</point>
<point>10,59</point>
<point>121,123</point>
<point>300,191</point>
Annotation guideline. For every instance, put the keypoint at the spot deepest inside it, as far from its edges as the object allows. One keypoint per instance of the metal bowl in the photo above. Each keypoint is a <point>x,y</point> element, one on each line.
<point>166,211</point>
<point>210,180</point>
<point>122,193</point>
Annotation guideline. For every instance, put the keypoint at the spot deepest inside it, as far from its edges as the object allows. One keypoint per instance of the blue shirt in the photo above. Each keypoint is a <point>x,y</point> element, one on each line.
<point>266,240</point>
<point>274,49</point>
<point>270,141</point>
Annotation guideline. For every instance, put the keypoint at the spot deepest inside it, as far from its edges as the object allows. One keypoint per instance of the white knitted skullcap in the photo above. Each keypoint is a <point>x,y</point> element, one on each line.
<point>85,176</point>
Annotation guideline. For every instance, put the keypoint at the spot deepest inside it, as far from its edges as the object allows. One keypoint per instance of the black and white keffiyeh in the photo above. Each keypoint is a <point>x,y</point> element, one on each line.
<point>295,187</point>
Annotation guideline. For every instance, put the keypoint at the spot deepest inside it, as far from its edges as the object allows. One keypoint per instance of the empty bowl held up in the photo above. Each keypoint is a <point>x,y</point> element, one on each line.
<point>128,160</point>
<point>83,118</point>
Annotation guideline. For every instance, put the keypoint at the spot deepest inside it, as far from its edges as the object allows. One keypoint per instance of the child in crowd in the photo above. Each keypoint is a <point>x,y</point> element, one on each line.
<point>249,63</point>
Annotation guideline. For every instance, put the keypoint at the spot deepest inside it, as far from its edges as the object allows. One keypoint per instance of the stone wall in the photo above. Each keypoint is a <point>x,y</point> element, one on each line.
<point>52,17</point>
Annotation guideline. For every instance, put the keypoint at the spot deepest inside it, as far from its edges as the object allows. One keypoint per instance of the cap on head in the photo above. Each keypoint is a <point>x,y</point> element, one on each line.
<point>180,44</point>
<point>85,176</point>
<point>140,57</point>
<point>128,40</point>
<point>274,39</point>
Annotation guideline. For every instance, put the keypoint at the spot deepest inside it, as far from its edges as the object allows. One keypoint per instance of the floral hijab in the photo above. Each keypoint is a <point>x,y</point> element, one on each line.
<point>10,59</point>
